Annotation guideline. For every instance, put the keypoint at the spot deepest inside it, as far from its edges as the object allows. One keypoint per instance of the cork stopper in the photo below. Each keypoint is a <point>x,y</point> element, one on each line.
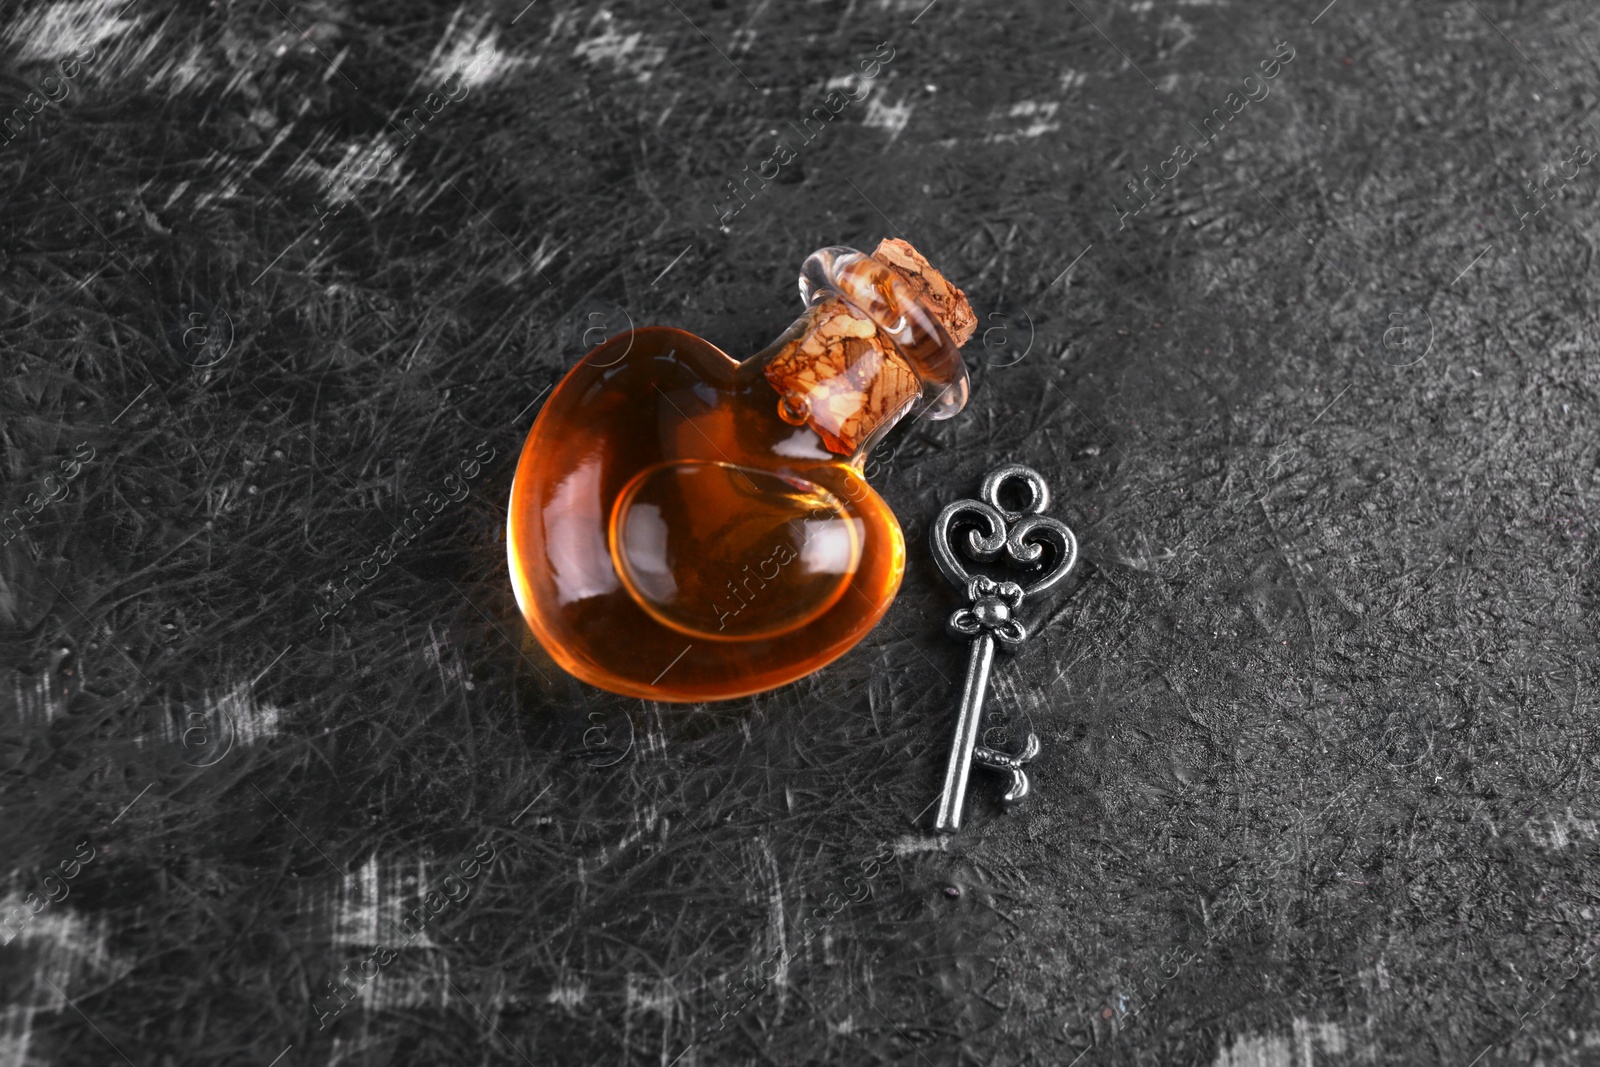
<point>884,331</point>
<point>948,304</point>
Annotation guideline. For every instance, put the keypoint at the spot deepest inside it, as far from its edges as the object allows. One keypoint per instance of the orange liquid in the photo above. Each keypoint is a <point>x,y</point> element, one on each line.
<point>672,537</point>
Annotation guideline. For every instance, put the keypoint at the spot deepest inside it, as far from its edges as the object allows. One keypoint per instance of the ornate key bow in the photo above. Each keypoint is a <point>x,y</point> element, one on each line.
<point>991,616</point>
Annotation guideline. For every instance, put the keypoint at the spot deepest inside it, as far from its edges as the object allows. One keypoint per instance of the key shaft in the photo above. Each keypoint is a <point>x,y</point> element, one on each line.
<point>979,660</point>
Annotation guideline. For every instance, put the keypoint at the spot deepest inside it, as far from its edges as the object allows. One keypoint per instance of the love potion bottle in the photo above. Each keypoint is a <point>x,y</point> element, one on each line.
<point>685,526</point>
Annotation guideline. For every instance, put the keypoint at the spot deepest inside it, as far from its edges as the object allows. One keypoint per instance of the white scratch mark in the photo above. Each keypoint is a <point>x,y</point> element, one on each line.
<point>56,31</point>
<point>61,946</point>
<point>250,720</point>
<point>568,996</point>
<point>911,843</point>
<point>779,926</point>
<point>1038,113</point>
<point>623,51</point>
<point>1561,829</point>
<point>1186,33</point>
<point>474,55</point>
<point>655,994</point>
<point>356,921</point>
<point>1267,1050</point>
<point>444,660</point>
<point>1310,1040</point>
<point>891,117</point>
<point>38,703</point>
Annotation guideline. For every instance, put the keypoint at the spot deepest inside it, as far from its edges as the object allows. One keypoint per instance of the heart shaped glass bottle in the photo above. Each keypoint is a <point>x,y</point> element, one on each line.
<point>687,527</point>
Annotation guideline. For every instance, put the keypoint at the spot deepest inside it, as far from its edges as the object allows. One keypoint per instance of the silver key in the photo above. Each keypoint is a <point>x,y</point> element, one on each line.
<point>991,616</point>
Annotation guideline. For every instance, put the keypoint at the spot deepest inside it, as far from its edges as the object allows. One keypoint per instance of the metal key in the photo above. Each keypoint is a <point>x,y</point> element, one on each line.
<point>991,616</point>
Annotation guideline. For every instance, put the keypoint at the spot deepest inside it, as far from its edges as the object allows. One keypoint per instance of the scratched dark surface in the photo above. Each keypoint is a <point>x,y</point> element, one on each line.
<point>1318,783</point>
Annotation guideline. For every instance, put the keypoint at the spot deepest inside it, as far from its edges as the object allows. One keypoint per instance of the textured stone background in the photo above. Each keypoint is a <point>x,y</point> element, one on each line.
<point>1318,783</point>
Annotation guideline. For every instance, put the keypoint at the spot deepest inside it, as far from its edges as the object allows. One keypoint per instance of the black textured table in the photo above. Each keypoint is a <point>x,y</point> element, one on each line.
<point>1292,307</point>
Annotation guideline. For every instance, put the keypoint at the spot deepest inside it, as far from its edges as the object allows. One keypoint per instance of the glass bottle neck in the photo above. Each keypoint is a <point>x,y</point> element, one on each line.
<point>834,371</point>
